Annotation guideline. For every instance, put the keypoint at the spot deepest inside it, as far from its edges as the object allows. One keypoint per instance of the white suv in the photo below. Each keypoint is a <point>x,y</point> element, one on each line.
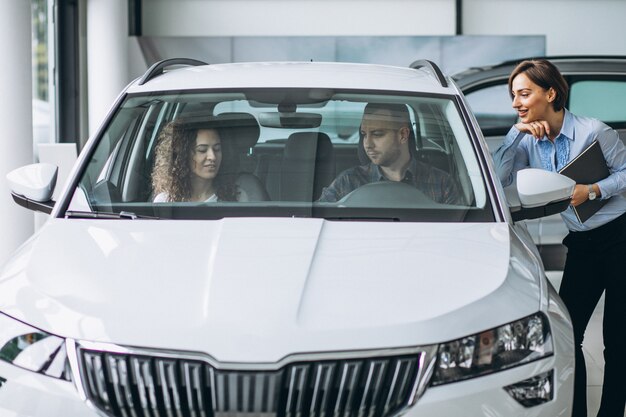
<point>280,304</point>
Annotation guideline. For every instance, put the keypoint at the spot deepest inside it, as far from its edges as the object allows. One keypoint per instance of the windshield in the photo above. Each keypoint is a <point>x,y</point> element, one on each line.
<point>340,155</point>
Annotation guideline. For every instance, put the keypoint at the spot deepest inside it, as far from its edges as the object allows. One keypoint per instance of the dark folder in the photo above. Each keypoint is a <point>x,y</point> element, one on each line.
<point>587,168</point>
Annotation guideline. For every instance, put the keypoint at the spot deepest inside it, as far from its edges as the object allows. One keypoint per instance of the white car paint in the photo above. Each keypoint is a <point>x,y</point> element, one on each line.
<point>323,75</point>
<point>305,285</point>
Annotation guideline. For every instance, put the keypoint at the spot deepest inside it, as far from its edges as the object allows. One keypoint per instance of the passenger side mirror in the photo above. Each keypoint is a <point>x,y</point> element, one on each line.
<point>538,193</point>
<point>32,186</point>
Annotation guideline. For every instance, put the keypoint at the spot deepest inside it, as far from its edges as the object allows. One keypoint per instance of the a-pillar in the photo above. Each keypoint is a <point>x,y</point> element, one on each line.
<point>107,56</point>
<point>16,132</point>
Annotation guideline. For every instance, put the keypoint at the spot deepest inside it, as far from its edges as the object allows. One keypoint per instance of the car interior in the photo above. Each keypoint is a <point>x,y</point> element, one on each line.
<point>281,154</point>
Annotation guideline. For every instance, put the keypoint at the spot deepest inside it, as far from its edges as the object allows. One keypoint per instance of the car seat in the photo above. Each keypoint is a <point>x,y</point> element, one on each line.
<point>307,167</point>
<point>240,132</point>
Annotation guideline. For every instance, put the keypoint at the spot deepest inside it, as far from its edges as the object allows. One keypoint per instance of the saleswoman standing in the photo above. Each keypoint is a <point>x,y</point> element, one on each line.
<point>548,136</point>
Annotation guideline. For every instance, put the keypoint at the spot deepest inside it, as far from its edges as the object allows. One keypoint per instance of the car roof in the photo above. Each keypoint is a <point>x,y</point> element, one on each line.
<point>330,75</point>
<point>567,64</point>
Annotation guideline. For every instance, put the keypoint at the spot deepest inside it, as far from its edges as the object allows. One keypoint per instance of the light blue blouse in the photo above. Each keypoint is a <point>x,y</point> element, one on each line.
<point>520,150</point>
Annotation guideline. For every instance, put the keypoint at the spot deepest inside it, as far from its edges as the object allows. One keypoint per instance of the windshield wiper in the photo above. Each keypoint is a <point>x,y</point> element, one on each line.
<point>124,215</point>
<point>364,218</point>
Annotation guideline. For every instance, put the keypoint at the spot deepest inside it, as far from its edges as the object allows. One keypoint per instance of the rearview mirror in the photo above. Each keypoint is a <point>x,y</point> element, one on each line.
<point>291,120</point>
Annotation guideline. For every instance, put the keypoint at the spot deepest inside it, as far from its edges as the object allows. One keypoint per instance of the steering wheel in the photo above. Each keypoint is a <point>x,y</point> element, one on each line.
<point>387,194</point>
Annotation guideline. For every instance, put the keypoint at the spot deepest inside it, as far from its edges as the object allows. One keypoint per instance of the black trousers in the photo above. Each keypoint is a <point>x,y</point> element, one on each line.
<point>596,263</point>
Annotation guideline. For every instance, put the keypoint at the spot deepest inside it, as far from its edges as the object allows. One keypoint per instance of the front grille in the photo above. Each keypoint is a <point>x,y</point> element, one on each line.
<point>137,385</point>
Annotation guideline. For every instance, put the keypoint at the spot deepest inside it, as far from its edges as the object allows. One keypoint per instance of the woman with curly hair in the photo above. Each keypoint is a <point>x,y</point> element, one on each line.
<point>190,164</point>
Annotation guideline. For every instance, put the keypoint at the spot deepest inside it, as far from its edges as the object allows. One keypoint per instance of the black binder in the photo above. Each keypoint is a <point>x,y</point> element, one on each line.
<point>587,168</point>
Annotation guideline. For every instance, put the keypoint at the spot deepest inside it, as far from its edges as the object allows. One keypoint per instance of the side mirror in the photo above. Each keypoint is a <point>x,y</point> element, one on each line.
<point>32,186</point>
<point>539,193</point>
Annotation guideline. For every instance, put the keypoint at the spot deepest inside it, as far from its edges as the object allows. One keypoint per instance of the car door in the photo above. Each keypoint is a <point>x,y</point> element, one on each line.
<point>601,97</point>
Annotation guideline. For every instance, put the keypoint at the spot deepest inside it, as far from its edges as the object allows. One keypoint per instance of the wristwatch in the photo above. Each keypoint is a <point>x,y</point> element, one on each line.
<point>592,194</point>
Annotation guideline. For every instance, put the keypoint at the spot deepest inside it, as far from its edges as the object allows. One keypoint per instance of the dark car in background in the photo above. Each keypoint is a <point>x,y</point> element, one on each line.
<point>597,89</point>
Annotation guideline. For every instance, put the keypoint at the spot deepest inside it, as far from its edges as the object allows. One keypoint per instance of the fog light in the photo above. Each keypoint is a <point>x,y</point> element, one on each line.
<point>534,391</point>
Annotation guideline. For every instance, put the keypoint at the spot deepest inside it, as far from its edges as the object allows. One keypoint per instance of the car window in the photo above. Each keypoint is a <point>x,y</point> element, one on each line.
<point>492,107</point>
<point>602,99</point>
<point>279,150</point>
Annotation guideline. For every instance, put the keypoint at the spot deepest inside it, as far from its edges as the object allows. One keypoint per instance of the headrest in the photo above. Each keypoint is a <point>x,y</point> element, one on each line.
<point>305,145</point>
<point>240,128</point>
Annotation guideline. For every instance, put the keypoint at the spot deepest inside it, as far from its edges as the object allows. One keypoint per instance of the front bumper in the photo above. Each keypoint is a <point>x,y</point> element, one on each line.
<point>27,394</point>
<point>486,396</point>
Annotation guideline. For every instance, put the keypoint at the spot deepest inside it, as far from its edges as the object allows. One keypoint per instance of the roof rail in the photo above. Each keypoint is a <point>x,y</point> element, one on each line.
<point>421,63</point>
<point>562,58</point>
<point>159,67</point>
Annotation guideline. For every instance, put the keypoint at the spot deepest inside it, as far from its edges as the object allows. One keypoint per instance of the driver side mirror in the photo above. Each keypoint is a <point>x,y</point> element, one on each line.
<point>32,186</point>
<point>538,193</point>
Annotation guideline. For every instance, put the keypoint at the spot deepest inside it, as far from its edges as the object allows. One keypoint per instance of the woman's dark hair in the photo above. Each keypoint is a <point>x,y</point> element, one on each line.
<point>543,73</point>
<point>172,169</point>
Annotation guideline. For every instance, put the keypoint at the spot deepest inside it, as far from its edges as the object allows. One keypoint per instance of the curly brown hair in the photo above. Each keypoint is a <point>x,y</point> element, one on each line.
<point>172,170</point>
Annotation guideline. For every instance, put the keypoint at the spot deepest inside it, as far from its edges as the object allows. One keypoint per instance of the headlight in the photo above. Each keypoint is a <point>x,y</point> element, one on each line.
<point>493,350</point>
<point>29,348</point>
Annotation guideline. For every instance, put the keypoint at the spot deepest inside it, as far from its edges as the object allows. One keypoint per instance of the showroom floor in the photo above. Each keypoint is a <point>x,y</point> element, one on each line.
<point>592,348</point>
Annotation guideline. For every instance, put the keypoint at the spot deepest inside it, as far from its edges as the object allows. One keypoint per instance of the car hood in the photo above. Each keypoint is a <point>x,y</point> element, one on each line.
<point>257,290</point>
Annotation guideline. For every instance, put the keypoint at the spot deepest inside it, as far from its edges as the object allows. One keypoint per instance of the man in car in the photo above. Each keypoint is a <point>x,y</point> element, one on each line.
<point>387,140</point>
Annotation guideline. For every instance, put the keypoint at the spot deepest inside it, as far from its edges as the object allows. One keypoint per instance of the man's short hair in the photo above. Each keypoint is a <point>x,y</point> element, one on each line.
<point>399,112</point>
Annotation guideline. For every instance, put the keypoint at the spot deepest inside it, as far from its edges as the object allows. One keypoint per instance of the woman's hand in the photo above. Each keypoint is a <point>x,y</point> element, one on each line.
<point>538,128</point>
<point>581,194</point>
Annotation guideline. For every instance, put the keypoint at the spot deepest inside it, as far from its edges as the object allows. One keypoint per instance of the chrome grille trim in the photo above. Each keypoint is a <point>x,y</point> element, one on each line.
<point>169,387</point>
<point>321,389</point>
<point>145,384</point>
<point>149,383</point>
<point>121,385</point>
<point>264,366</point>
<point>193,388</point>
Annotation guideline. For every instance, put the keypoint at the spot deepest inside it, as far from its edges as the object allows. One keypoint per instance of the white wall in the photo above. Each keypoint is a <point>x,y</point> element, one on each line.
<point>571,26</point>
<point>298,17</point>
<point>16,145</point>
